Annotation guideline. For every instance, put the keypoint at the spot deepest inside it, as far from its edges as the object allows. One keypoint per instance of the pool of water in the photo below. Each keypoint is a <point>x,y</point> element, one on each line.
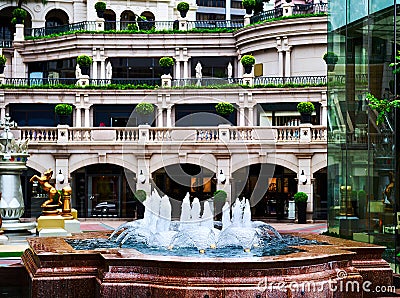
<point>268,247</point>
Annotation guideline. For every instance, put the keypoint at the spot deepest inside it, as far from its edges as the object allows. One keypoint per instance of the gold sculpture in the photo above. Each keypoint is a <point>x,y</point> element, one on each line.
<point>54,197</point>
<point>47,187</point>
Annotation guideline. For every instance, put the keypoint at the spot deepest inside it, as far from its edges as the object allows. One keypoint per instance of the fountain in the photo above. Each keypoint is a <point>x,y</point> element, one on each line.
<point>111,267</point>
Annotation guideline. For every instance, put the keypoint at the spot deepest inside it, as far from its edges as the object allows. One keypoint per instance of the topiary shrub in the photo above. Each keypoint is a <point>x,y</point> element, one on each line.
<point>330,58</point>
<point>19,13</point>
<point>183,6</point>
<point>305,107</point>
<point>100,6</point>
<point>84,60</point>
<point>140,195</point>
<point>300,197</point>
<point>144,108</point>
<point>248,4</point>
<point>63,109</point>
<point>224,108</point>
<point>248,60</point>
<point>220,195</point>
<point>166,62</point>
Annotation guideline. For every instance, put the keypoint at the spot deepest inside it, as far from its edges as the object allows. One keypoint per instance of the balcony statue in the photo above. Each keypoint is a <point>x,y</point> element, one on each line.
<point>56,199</point>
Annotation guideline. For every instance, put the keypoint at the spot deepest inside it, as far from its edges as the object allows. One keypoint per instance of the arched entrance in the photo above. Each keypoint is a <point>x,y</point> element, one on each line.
<point>269,187</point>
<point>127,17</point>
<point>102,190</point>
<point>177,180</point>
<point>7,30</point>
<point>320,195</point>
<point>56,17</point>
<point>110,20</point>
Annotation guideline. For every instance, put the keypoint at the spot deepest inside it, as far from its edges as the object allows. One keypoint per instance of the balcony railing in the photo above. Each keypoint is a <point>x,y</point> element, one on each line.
<point>6,43</point>
<point>156,82</point>
<point>87,25</point>
<point>299,9</point>
<point>120,135</point>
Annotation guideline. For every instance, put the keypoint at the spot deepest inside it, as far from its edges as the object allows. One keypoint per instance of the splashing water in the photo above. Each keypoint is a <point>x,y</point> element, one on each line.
<point>195,229</point>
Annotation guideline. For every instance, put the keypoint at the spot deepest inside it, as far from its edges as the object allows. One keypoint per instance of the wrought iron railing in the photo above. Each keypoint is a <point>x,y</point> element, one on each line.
<point>39,81</point>
<point>299,9</point>
<point>39,32</point>
<point>138,81</point>
<point>211,24</point>
<point>307,80</point>
<point>5,43</point>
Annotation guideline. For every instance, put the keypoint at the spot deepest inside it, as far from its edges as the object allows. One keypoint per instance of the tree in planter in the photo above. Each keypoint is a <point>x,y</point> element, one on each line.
<point>145,111</point>
<point>84,62</point>
<point>300,198</point>
<point>166,63</point>
<point>330,59</point>
<point>3,61</point>
<point>100,8</point>
<point>249,5</point>
<point>224,108</point>
<point>63,112</point>
<point>19,15</point>
<point>305,108</point>
<point>248,61</point>
<point>183,8</point>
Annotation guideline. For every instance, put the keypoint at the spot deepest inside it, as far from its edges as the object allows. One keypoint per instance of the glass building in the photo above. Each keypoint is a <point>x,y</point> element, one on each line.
<point>363,158</point>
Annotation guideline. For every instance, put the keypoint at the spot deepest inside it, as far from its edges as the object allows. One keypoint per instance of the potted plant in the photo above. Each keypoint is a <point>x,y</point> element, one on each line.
<point>224,108</point>
<point>19,16</point>
<point>300,198</point>
<point>3,61</point>
<point>140,195</point>
<point>166,63</point>
<point>219,197</point>
<point>330,59</point>
<point>100,8</point>
<point>305,108</point>
<point>84,62</point>
<point>248,62</point>
<point>63,112</point>
<point>249,5</point>
<point>183,8</point>
<point>145,112</point>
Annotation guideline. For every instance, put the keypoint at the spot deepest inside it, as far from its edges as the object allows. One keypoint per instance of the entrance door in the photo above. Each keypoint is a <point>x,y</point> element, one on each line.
<point>104,195</point>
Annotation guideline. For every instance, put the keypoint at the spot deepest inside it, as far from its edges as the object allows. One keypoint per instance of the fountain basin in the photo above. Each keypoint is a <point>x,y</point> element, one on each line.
<point>55,267</point>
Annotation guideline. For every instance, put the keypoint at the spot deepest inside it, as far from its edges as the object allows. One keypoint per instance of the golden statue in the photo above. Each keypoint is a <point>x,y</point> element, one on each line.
<point>47,187</point>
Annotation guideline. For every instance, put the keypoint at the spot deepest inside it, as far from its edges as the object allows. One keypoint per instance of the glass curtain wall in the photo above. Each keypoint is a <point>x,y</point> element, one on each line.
<point>362,160</point>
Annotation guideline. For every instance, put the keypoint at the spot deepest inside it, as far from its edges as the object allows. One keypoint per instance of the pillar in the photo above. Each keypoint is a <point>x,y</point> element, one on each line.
<point>241,116</point>
<point>280,63</point>
<point>61,165</point>
<point>143,169</point>
<point>185,70</point>
<point>87,117</point>
<point>178,70</point>
<point>160,114</point>
<point>304,165</point>
<point>251,117</point>
<point>102,70</point>
<point>78,117</point>
<point>223,164</point>
<point>288,71</point>
<point>169,120</point>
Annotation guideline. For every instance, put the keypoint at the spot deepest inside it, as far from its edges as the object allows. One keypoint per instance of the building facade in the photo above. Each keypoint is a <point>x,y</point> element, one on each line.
<point>362,145</point>
<point>108,151</point>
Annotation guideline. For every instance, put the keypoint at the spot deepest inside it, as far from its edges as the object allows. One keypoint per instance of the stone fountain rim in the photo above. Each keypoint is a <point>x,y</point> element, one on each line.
<point>337,249</point>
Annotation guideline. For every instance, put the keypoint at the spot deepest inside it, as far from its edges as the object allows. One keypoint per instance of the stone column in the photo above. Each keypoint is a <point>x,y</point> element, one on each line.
<point>87,116</point>
<point>251,117</point>
<point>228,10</point>
<point>280,63</point>
<point>143,169</point>
<point>169,120</point>
<point>94,69</point>
<point>178,70</point>
<point>324,109</point>
<point>78,117</point>
<point>241,116</point>
<point>160,114</point>
<point>102,69</point>
<point>223,169</point>
<point>185,69</point>
<point>63,166</point>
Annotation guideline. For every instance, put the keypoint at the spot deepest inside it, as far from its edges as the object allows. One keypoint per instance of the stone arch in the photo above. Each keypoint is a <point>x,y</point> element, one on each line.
<point>56,17</point>
<point>149,15</point>
<point>207,161</point>
<point>290,163</point>
<point>319,162</point>
<point>110,19</point>
<point>7,30</point>
<point>77,163</point>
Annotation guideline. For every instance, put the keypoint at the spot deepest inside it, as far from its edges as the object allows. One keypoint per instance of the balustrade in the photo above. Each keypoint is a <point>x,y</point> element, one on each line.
<point>182,134</point>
